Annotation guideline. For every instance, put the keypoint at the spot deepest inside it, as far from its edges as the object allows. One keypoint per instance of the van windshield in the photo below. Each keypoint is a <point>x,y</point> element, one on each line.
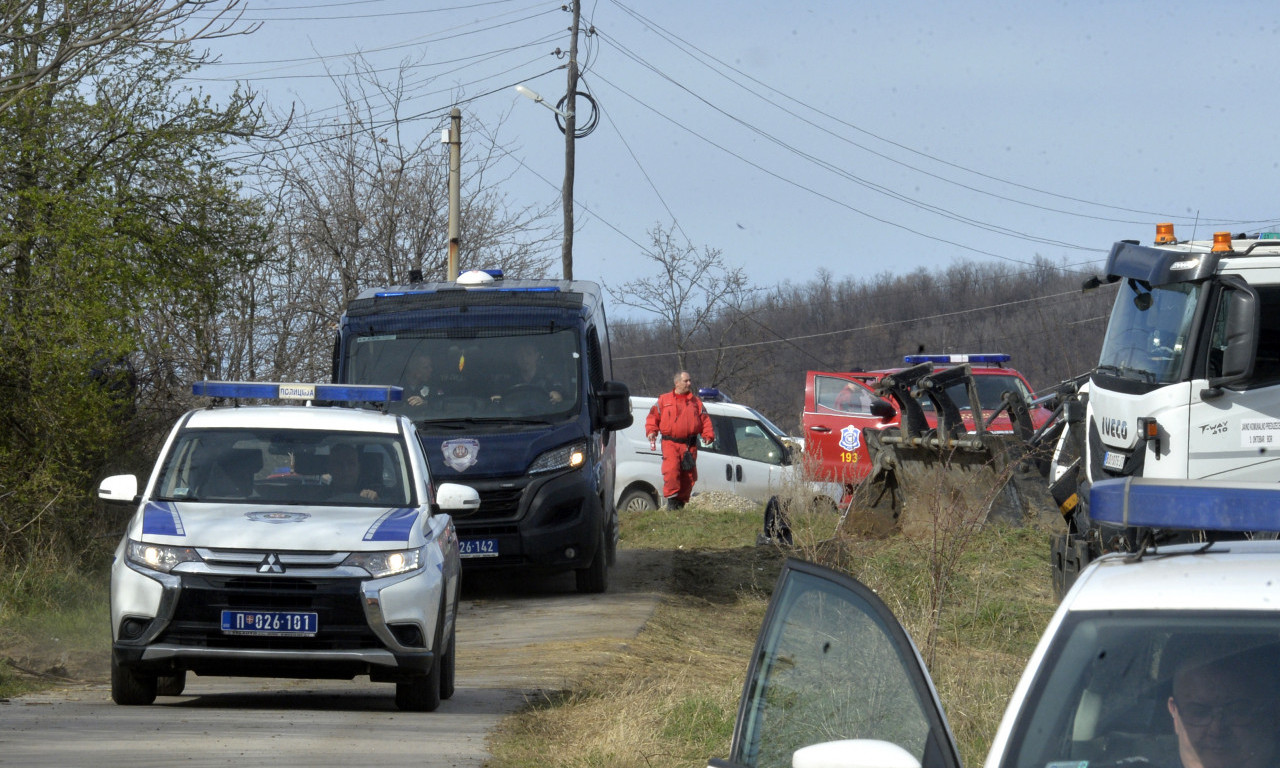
<point>496,376</point>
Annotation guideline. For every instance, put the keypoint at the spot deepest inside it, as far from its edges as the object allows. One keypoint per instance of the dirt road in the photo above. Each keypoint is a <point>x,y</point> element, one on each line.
<point>517,638</point>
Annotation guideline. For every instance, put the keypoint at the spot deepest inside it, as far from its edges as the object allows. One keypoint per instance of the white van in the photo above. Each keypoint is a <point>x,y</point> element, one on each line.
<point>747,458</point>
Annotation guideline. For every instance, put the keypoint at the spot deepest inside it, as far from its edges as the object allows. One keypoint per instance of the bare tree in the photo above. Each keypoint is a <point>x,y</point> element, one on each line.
<point>361,201</point>
<point>700,302</point>
<point>53,44</point>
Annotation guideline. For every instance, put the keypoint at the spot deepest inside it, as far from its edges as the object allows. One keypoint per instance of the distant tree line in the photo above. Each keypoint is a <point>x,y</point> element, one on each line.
<point>774,335</point>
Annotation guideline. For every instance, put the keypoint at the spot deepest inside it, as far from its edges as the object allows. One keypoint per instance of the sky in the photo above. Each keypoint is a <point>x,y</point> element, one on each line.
<point>859,138</point>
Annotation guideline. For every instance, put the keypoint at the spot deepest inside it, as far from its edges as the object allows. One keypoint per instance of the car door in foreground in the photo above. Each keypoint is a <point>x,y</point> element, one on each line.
<point>835,681</point>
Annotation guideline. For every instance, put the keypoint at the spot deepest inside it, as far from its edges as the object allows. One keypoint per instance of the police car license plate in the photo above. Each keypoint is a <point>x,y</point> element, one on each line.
<point>478,548</point>
<point>1113,461</point>
<point>274,623</point>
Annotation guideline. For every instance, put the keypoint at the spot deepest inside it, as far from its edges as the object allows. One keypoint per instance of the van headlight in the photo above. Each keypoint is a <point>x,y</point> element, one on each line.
<point>569,456</point>
<point>382,564</point>
<point>159,557</point>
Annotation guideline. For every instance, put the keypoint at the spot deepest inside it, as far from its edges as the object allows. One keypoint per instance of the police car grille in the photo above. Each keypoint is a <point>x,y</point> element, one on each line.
<point>197,619</point>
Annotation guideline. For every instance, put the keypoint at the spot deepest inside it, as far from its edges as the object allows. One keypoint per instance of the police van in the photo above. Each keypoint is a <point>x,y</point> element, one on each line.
<point>1166,657</point>
<point>518,404</point>
<point>287,541</point>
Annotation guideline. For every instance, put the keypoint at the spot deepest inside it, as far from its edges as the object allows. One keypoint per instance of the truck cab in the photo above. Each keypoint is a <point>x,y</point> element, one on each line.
<point>507,383</point>
<point>1187,384</point>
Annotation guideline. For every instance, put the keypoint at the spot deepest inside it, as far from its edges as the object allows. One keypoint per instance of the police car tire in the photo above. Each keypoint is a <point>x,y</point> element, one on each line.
<point>171,685</point>
<point>448,665</point>
<point>422,693</point>
<point>594,579</point>
<point>129,688</point>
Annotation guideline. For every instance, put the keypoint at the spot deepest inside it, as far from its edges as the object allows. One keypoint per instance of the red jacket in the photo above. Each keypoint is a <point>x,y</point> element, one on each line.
<point>680,418</point>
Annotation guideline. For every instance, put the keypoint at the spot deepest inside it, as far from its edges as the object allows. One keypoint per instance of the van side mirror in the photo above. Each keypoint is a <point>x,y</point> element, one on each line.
<point>614,411</point>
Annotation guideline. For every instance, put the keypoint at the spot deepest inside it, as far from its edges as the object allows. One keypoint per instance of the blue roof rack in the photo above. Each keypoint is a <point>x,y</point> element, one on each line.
<point>265,390</point>
<point>1192,505</point>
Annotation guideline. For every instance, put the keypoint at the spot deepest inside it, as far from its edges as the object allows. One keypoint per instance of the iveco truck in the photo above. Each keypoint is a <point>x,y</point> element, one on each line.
<point>508,384</point>
<point>1187,385</point>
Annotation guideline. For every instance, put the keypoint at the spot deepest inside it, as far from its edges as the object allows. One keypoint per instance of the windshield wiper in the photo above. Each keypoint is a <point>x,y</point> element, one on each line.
<point>1126,372</point>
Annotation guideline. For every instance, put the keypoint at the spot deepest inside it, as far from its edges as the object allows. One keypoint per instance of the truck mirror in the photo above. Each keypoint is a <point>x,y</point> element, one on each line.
<point>615,406</point>
<point>1241,336</point>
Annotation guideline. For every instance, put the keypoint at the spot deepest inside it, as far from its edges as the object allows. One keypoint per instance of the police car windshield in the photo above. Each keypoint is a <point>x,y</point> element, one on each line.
<point>1103,694</point>
<point>274,466</point>
<point>500,374</point>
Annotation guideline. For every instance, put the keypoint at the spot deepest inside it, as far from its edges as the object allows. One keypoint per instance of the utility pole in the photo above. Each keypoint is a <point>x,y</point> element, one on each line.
<point>455,202</point>
<point>570,128</point>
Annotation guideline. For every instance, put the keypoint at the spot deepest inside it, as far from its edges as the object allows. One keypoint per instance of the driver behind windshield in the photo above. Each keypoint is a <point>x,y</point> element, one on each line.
<point>529,376</point>
<point>1224,711</point>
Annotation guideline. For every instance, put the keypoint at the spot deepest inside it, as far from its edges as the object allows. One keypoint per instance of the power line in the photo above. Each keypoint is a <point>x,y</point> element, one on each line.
<point>672,36</point>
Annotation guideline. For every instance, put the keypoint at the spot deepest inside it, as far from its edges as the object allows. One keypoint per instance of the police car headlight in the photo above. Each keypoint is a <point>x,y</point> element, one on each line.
<point>380,564</point>
<point>159,557</point>
<point>566,457</point>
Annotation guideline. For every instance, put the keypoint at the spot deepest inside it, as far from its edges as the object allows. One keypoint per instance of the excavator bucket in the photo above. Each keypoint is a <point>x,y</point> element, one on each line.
<point>952,463</point>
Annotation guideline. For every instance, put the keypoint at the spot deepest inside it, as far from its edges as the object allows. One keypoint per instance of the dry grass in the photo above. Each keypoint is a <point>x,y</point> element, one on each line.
<point>672,697</point>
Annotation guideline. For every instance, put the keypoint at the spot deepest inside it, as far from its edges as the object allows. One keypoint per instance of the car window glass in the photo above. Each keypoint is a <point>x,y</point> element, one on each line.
<point>287,467</point>
<point>723,442</point>
<point>817,634</point>
<point>755,443</point>
<point>837,395</point>
<point>1103,695</point>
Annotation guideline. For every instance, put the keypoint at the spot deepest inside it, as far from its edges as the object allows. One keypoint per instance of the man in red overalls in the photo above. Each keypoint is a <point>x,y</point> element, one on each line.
<point>680,418</point>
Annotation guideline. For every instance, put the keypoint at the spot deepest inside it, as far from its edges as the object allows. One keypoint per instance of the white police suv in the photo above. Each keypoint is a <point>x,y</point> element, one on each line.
<point>287,541</point>
<point>1169,658</point>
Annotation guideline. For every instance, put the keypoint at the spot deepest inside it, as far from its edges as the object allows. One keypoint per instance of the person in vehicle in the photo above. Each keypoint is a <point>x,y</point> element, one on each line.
<point>344,475</point>
<point>529,376</point>
<point>422,390</point>
<point>1225,711</point>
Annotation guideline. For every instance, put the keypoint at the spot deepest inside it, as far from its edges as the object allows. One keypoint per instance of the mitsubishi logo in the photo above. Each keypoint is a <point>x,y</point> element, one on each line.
<point>271,564</point>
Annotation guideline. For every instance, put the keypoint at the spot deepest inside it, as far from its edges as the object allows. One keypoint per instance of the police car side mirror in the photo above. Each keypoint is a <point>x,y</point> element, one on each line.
<point>119,489</point>
<point>452,497</point>
<point>854,753</point>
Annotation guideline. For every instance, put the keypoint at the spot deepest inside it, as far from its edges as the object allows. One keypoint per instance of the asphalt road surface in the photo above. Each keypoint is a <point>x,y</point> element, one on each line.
<point>518,638</point>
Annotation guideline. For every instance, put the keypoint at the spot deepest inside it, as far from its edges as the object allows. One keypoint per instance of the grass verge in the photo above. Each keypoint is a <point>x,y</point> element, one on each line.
<point>53,627</point>
<point>671,698</point>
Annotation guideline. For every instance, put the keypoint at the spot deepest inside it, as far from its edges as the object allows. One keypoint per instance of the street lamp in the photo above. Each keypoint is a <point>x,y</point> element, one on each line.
<point>533,95</point>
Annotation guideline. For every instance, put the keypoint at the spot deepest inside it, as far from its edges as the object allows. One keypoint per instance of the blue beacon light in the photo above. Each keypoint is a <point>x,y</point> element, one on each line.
<point>989,357</point>
<point>351,393</point>
<point>1186,505</point>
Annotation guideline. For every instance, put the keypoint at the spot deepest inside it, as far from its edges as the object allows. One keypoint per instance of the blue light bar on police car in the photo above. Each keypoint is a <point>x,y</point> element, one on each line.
<point>992,357</point>
<point>711,394</point>
<point>264,390</point>
<point>1190,505</point>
